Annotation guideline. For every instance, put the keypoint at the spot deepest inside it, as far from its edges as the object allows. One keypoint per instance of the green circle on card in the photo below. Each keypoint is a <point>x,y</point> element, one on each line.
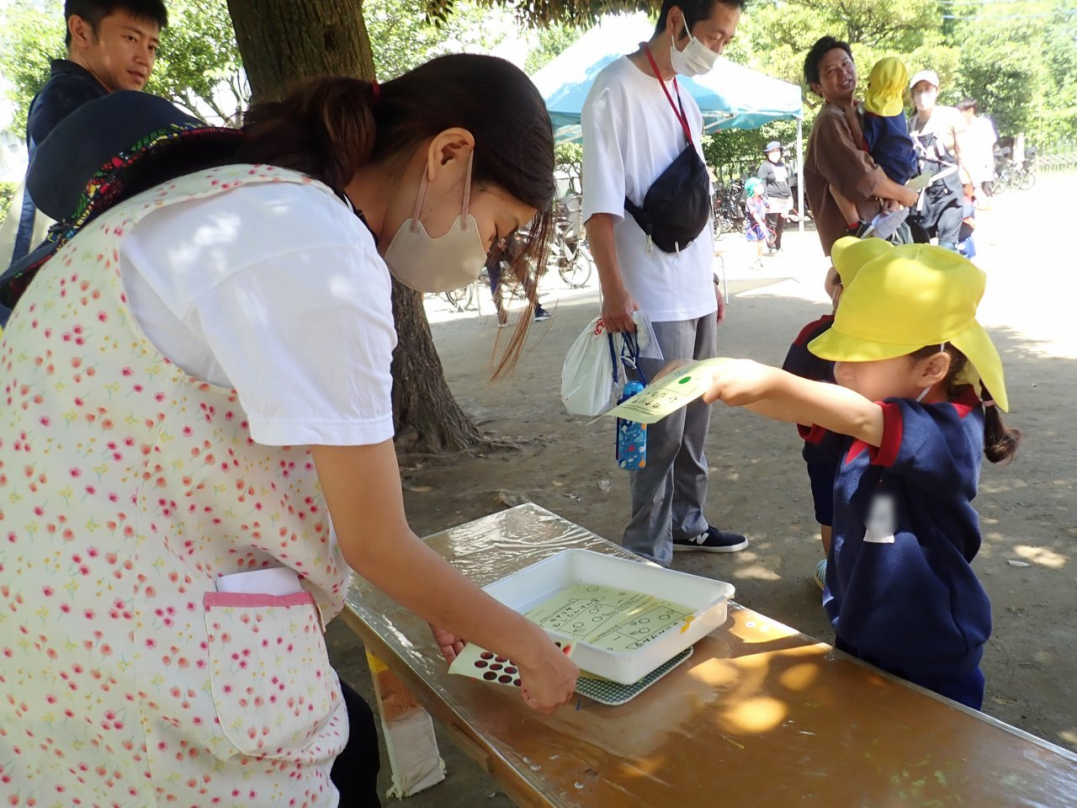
<point>685,380</point>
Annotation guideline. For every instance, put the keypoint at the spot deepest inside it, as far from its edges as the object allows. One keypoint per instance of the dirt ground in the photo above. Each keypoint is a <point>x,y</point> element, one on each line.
<point>1028,562</point>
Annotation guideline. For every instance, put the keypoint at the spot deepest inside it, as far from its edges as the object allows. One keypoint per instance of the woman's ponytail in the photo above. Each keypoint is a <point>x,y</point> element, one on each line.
<point>324,129</point>
<point>1000,442</point>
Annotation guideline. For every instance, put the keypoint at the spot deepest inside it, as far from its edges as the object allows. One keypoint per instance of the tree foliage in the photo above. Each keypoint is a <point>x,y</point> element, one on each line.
<point>30,38</point>
<point>403,36</point>
<point>199,66</point>
<point>7,193</point>
<point>552,40</point>
<point>1020,62</point>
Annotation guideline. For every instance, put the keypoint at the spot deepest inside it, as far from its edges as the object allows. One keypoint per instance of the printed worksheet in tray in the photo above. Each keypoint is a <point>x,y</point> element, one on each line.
<point>623,617</point>
<point>608,618</point>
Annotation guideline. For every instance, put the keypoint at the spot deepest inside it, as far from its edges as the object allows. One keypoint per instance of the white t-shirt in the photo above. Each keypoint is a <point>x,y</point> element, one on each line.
<point>275,290</point>
<point>630,136</point>
<point>978,146</point>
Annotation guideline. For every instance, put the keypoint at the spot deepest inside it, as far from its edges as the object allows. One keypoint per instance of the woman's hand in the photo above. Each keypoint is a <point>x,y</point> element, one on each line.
<point>450,644</point>
<point>739,382</point>
<point>547,677</point>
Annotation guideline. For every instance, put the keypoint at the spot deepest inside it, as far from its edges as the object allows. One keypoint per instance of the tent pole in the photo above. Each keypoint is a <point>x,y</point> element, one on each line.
<point>800,174</point>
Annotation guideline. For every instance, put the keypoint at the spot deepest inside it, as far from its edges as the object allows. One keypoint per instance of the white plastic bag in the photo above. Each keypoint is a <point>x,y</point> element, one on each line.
<point>587,380</point>
<point>646,339</point>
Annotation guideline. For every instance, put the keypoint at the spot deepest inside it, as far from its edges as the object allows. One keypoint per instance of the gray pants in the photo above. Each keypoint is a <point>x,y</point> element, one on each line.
<point>668,493</point>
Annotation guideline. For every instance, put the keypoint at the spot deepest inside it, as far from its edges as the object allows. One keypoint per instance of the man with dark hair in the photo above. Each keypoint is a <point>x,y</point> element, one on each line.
<point>642,133</point>
<point>835,157</point>
<point>111,45</point>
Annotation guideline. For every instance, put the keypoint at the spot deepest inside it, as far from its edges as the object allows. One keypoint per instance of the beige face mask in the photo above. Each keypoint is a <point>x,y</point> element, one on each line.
<point>428,264</point>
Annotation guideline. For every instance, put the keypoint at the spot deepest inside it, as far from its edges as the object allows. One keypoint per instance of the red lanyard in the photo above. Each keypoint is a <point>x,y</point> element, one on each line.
<point>678,112</point>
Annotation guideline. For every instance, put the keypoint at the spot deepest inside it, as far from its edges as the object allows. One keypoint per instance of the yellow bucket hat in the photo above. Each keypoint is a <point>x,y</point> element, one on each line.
<point>849,254</point>
<point>886,86</point>
<point>906,298</point>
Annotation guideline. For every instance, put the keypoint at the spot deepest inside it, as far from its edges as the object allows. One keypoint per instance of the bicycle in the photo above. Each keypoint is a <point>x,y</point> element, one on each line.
<point>461,299</point>
<point>569,251</point>
<point>1009,174</point>
<point>728,208</point>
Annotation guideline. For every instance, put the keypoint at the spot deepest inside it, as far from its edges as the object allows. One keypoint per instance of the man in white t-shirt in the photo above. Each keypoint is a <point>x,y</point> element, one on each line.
<point>979,142</point>
<point>939,132</point>
<point>634,128</point>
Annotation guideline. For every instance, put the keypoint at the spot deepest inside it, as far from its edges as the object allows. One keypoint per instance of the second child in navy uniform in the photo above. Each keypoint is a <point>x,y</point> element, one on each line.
<point>822,448</point>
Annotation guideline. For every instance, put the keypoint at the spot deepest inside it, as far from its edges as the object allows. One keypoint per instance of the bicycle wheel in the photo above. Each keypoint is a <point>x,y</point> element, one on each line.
<point>1028,179</point>
<point>578,272</point>
<point>461,299</point>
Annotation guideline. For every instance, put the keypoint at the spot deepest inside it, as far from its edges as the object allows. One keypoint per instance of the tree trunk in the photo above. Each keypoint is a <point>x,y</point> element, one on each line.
<point>426,415</point>
<point>284,42</point>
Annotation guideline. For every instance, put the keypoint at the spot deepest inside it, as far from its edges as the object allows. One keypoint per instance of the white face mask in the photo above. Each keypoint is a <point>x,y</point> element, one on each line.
<point>925,99</point>
<point>695,60</point>
<point>428,264</point>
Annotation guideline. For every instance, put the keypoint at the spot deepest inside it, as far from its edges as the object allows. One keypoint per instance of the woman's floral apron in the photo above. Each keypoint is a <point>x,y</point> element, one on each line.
<point>126,488</point>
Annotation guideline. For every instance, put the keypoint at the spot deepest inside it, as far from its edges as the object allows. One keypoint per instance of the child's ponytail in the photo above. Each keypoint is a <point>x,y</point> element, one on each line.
<point>1000,442</point>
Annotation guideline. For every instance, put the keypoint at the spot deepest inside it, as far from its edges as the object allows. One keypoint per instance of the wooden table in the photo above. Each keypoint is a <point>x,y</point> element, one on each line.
<point>759,716</point>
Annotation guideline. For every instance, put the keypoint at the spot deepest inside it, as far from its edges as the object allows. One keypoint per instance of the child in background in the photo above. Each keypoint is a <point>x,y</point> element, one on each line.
<point>885,135</point>
<point>821,448</point>
<point>910,357</point>
<point>501,257</point>
<point>755,218</point>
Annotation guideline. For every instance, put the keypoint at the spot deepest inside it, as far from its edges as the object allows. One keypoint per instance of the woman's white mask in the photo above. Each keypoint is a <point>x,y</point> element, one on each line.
<point>428,264</point>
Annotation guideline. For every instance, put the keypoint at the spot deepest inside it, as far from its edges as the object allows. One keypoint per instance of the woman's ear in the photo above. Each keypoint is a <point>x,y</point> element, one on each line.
<point>451,147</point>
<point>935,369</point>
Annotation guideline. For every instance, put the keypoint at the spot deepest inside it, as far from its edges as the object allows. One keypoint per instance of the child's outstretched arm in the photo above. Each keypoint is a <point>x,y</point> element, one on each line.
<point>782,396</point>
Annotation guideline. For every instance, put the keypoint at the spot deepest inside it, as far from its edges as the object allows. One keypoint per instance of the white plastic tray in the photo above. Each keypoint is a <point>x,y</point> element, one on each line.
<point>708,598</point>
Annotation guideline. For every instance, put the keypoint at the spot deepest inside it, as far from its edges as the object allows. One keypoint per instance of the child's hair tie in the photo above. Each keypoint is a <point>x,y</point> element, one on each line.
<point>375,92</point>
<point>988,402</point>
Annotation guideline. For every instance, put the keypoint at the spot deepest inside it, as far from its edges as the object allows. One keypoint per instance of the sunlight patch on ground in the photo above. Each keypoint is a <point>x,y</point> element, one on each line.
<point>1040,555</point>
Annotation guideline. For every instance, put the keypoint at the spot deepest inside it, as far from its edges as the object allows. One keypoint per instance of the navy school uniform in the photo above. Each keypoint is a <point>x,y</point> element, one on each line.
<point>888,142</point>
<point>900,590</point>
<point>821,448</point>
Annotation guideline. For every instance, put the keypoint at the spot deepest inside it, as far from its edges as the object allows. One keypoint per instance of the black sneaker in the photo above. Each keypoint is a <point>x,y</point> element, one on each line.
<point>542,314</point>
<point>713,541</point>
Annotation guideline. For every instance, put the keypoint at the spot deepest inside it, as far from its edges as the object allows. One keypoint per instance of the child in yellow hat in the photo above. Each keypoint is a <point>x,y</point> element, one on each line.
<point>918,394</point>
<point>882,128</point>
<point>821,447</point>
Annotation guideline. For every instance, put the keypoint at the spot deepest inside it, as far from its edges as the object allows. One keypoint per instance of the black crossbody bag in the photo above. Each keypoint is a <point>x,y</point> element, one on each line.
<point>677,206</point>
